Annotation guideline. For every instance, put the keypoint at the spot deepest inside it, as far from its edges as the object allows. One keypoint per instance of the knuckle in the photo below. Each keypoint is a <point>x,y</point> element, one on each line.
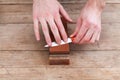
<point>86,39</point>
<point>53,28</point>
<point>45,29</point>
<point>87,23</point>
<point>92,42</point>
<point>56,14</point>
<point>97,27</point>
<point>49,17</point>
<point>47,14</point>
<point>80,35</point>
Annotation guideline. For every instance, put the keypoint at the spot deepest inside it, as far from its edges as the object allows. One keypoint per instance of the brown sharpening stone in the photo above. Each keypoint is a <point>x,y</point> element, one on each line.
<point>59,60</point>
<point>56,53</point>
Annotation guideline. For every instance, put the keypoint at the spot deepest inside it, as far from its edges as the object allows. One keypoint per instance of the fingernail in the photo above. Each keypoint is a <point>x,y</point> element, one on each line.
<point>59,42</point>
<point>71,35</point>
<point>65,40</point>
<point>49,44</point>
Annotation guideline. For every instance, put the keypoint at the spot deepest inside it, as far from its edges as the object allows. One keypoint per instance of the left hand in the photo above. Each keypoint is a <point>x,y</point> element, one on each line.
<point>88,27</point>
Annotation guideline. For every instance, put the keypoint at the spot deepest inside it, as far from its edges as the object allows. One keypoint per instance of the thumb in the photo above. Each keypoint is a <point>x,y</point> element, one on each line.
<point>65,14</point>
<point>78,26</point>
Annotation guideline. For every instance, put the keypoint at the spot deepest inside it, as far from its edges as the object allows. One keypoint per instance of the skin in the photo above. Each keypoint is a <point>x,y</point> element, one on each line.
<point>49,12</point>
<point>88,27</point>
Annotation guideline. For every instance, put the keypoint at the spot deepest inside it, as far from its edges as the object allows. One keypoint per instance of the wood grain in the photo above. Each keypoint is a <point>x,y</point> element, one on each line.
<point>23,58</point>
<point>24,13</point>
<point>61,74</point>
<point>21,37</point>
<point>62,1</point>
<point>79,59</point>
<point>76,8</point>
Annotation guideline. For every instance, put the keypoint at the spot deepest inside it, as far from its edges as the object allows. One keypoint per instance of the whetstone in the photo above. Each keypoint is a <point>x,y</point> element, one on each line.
<point>59,60</point>
<point>59,55</point>
<point>62,49</point>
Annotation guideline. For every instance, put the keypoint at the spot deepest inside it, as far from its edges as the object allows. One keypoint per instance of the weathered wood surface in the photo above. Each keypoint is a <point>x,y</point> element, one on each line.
<point>21,37</point>
<point>23,13</point>
<point>86,65</point>
<point>79,59</point>
<point>62,1</point>
<point>62,74</point>
<point>23,58</point>
<point>76,7</point>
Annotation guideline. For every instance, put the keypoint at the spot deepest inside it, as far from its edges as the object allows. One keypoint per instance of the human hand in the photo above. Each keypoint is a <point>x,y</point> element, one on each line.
<point>49,12</point>
<point>88,26</point>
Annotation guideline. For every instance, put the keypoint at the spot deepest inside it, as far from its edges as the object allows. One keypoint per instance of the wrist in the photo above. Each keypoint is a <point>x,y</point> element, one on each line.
<point>98,4</point>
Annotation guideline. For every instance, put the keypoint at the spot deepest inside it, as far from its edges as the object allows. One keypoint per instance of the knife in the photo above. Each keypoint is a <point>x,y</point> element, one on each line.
<point>62,43</point>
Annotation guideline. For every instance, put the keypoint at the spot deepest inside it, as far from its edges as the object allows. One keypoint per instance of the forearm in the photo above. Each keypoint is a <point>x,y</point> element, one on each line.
<point>100,4</point>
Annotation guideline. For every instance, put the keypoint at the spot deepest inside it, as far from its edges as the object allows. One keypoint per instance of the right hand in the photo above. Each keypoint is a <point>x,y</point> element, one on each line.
<point>49,11</point>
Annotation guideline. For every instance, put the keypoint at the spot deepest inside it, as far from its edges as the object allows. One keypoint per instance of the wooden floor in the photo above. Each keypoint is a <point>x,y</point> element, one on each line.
<point>23,58</point>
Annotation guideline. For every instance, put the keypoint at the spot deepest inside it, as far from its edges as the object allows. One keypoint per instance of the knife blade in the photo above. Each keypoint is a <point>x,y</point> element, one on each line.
<point>62,43</point>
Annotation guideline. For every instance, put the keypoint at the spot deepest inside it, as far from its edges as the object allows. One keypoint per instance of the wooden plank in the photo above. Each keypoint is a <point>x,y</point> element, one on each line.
<point>83,73</point>
<point>62,1</point>
<point>24,13</point>
<point>21,37</point>
<point>23,58</point>
<point>76,7</point>
<point>79,59</point>
<point>62,74</point>
<point>22,18</point>
<point>3,71</point>
<point>26,74</point>
<point>25,38</point>
<point>16,8</point>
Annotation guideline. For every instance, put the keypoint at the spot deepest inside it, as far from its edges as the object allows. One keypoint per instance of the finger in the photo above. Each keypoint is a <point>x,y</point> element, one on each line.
<point>54,30</point>
<point>36,29</point>
<point>65,14</point>
<point>45,31</point>
<point>77,28</point>
<point>81,33</point>
<point>94,37</point>
<point>88,36</point>
<point>61,28</point>
<point>98,36</point>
